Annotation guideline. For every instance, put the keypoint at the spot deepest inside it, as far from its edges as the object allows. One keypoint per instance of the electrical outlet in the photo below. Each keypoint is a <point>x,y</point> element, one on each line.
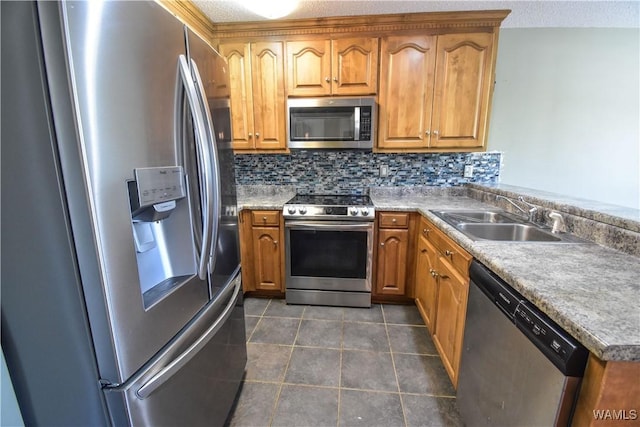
<point>384,170</point>
<point>468,171</point>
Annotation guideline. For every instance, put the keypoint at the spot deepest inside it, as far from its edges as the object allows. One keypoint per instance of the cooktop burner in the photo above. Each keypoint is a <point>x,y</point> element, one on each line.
<point>330,207</point>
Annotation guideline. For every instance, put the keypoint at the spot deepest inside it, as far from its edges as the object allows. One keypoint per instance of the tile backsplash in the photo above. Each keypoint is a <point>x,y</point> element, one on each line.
<point>353,172</point>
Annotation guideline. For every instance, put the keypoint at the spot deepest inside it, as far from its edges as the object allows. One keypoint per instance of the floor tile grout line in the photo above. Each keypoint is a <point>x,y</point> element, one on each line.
<point>367,390</point>
<point>395,371</point>
<point>340,369</point>
<point>284,376</point>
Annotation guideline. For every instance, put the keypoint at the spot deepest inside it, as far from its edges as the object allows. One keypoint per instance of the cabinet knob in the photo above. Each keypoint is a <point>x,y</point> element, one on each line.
<point>381,243</point>
<point>257,135</point>
<point>448,253</point>
<point>275,243</point>
<point>327,79</point>
<point>335,79</point>
<point>394,220</point>
<point>435,132</point>
<point>433,273</point>
<point>427,132</point>
<point>250,135</point>
<point>426,230</point>
<point>264,218</point>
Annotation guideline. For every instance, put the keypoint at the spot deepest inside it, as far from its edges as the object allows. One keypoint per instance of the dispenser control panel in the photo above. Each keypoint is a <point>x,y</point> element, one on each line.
<point>160,184</point>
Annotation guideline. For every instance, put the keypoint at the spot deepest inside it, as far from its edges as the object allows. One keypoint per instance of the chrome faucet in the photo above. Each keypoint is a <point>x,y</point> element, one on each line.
<point>558,223</point>
<point>527,212</point>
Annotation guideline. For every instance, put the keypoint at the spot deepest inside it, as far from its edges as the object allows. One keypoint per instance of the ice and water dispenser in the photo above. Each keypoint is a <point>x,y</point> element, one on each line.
<point>162,231</point>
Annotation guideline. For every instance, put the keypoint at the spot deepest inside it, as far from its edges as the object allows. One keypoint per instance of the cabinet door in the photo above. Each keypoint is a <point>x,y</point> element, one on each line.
<point>392,261</point>
<point>266,259</point>
<point>309,68</point>
<point>463,87</point>
<point>354,66</point>
<point>406,91</point>
<point>452,305</point>
<point>241,94</point>
<point>267,65</point>
<point>426,283</point>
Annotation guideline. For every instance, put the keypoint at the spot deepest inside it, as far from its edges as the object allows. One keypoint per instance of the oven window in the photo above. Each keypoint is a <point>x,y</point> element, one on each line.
<point>322,123</point>
<point>341,254</point>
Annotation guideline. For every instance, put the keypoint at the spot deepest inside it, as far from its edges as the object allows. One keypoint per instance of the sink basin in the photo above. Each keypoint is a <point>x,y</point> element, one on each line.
<point>482,216</point>
<point>507,232</point>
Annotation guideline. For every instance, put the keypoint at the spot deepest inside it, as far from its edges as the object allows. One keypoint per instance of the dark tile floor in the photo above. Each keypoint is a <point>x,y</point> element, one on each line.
<point>331,366</point>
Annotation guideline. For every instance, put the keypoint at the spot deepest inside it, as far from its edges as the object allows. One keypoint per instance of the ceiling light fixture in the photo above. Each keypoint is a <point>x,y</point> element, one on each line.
<point>268,9</point>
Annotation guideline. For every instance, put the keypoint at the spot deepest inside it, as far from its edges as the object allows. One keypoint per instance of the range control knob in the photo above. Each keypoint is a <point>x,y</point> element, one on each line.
<point>353,211</point>
<point>302,210</point>
<point>364,211</point>
<point>291,210</point>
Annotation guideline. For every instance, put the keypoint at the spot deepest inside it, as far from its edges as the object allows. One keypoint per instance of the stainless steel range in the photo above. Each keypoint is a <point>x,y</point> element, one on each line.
<point>329,250</point>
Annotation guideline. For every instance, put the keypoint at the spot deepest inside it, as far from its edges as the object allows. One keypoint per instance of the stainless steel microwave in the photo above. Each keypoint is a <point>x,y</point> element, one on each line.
<point>317,123</point>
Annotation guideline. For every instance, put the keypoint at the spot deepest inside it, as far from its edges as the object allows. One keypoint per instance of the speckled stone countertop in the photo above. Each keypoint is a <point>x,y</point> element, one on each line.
<point>264,196</point>
<point>592,291</point>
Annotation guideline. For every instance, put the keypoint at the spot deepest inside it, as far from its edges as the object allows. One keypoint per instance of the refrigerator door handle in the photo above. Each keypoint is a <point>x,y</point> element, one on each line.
<point>177,363</point>
<point>205,165</point>
<point>216,201</point>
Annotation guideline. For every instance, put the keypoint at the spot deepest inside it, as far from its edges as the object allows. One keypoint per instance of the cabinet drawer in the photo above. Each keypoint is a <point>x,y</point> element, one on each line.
<point>393,220</point>
<point>262,218</point>
<point>458,257</point>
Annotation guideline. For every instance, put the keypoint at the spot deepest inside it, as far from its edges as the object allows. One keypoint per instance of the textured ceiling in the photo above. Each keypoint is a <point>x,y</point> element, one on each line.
<point>525,14</point>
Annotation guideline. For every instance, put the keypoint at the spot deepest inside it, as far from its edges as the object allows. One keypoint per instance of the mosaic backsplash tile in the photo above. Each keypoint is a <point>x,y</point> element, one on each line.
<point>353,172</point>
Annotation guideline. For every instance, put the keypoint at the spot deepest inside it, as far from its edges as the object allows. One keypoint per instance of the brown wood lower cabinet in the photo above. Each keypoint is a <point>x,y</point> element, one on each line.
<point>394,261</point>
<point>426,291</point>
<point>442,288</point>
<point>262,251</point>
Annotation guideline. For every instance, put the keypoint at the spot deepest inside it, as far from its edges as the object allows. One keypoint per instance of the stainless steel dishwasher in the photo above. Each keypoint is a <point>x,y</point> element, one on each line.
<point>518,367</point>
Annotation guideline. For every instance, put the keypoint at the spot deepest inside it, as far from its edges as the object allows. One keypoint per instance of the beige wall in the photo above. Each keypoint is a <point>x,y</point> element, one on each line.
<point>566,112</point>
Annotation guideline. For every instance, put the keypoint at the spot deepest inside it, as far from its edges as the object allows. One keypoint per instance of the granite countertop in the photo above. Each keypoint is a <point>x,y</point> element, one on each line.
<point>590,290</point>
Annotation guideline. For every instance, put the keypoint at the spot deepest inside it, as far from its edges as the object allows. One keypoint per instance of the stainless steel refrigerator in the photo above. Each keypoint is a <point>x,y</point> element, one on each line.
<point>121,294</point>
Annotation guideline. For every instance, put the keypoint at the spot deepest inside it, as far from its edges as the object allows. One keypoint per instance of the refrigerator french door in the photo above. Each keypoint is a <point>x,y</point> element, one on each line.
<point>135,107</point>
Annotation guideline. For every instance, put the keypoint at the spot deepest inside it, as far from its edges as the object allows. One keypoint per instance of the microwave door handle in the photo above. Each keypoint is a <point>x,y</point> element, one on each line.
<point>356,124</point>
<point>215,203</point>
<point>202,151</point>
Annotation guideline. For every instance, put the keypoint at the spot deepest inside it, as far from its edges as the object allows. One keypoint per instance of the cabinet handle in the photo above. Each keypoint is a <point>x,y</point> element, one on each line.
<point>327,79</point>
<point>448,253</point>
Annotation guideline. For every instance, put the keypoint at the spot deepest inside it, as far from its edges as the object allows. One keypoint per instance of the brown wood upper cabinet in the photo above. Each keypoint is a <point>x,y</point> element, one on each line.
<point>256,74</point>
<point>435,91</point>
<point>332,67</point>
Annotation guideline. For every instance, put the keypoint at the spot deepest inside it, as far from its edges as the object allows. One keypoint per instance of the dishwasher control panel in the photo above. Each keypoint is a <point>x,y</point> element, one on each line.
<point>563,350</point>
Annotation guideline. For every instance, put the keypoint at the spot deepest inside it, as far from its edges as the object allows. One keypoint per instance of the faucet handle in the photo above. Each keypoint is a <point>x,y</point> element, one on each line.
<point>558,223</point>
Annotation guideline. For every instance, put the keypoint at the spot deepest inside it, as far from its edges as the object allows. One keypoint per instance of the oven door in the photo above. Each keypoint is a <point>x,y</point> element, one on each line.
<point>329,255</point>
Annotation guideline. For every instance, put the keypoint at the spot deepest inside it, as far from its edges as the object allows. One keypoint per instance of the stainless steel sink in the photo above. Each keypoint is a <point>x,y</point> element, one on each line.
<point>481,216</point>
<point>507,232</point>
<point>497,225</point>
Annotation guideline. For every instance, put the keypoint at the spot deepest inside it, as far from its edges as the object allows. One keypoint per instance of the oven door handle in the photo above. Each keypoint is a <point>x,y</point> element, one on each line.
<point>329,225</point>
